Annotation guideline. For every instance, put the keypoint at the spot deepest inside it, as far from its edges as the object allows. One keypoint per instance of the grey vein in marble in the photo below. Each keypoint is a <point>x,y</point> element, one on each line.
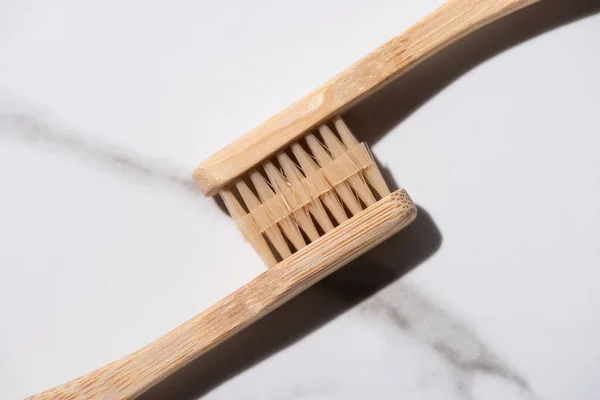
<point>398,305</point>
<point>464,369</point>
<point>466,355</point>
<point>31,126</point>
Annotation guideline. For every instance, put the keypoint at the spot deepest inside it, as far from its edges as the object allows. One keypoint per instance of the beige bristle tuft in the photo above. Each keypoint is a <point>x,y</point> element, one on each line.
<point>310,167</point>
<point>356,181</point>
<point>343,189</point>
<point>335,147</point>
<point>289,227</point>
<point>282,207</point>
<point>258,243</point>
<point>273,233</point>
<point>301,215</point>
<point>345,133</point>
<point>315,207</point>
<point>372,173</point>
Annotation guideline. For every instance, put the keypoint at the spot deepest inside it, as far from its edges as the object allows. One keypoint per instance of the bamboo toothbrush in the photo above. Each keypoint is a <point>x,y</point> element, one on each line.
<point>304,193</point>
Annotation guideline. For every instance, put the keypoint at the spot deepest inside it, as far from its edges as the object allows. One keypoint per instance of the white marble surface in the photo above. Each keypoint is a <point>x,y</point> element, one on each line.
<point>105,108</point>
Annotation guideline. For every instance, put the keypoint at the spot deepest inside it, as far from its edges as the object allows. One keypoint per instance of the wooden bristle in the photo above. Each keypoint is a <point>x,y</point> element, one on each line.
<point>315,207</point>
<point>287,225</point>
<point>271,232</point>
<point>257,242</point>
<point>315,180</point>
<point>356,181</point>
<point>371,173</point>
<point>301,215</point>
<point>305,191</point>
<point>343,189</point>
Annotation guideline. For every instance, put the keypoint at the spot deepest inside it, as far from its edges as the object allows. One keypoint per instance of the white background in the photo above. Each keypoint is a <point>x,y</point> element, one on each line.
<point>498,140</point>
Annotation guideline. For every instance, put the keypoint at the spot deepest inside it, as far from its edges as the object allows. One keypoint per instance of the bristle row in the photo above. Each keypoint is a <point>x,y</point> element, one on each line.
<point>298,195</point>
<point>296,203</point>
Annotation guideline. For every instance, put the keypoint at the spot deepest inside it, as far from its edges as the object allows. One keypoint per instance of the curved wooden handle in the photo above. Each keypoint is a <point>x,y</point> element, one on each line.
<point>133,375</point>
<point>446,25</point>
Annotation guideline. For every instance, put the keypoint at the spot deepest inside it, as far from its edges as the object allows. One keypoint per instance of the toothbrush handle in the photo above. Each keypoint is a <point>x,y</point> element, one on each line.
<point>133,375</point>
<point>449,23</point>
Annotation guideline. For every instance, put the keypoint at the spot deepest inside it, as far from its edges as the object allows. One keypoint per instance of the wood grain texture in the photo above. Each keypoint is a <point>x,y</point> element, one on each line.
<point>446,25</point>
<point>136,373</point>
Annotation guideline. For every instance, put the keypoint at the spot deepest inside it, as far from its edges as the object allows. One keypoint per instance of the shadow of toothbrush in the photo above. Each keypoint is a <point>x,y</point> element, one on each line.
<point>374,117</point>
<point>307,312</point>
<point>371,120</point>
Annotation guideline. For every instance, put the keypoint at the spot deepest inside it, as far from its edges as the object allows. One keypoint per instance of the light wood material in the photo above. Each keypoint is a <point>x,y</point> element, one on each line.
<point>136,373</point>
<point>448,24</point>
<point>293,200</point>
